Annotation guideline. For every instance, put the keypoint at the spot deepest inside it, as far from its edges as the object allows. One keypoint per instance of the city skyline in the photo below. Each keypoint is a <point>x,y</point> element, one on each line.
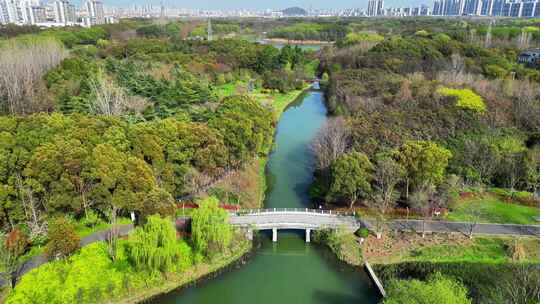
<point>256,5</point>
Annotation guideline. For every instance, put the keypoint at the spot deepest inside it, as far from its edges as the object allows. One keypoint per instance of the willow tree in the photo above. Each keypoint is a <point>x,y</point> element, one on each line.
<point>154,246</point>
<point>210,228</point>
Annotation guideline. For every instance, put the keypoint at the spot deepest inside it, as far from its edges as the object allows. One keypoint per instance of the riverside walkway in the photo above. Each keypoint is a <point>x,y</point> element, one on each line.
<point>316,219</point>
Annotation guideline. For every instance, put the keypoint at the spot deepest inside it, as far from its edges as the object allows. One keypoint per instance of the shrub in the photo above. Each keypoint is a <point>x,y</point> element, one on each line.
<point>87,277</point>
<point>437,289</point>
<point>63,240</point>
<point>466,99</point>
<point>91,219</point>
<point>362,232</point>
<point>16,242</point>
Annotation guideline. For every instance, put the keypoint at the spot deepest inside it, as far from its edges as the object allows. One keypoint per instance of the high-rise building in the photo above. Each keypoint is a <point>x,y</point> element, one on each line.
<point>94,9</point>
<point>375,8</point>
<point>64,12</point>
<point>8,11</point>
<point>472,7</point>
<point>372,8</point>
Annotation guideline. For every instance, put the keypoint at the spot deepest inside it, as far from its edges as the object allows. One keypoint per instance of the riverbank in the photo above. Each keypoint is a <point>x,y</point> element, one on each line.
<point>298,42</point>
<point>193,275</point>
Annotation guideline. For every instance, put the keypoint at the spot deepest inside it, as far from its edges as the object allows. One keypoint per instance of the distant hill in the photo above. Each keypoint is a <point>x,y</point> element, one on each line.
<point>294,11</point>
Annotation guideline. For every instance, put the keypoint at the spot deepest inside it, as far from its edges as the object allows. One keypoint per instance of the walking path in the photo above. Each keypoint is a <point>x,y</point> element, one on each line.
<point>465,227</point>
<point>302,219</point>
<point>41,259</point>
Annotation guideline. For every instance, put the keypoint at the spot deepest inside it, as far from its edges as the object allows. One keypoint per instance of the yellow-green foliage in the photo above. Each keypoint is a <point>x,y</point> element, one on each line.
<point>531,29</point>
<point>466,98</point>
<point>353,38</point>
<point>86,277</point>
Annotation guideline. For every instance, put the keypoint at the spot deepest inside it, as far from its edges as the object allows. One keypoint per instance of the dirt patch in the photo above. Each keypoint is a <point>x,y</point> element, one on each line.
<point>394,245</point>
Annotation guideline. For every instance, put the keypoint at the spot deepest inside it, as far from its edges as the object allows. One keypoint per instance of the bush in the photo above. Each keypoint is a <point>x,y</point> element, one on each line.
<point>362,232</point>
<point>437,289</point>
<point>16,242</point>
<point>91,219</point>
<point>466,98</point>
<point>63,240</point>
<point>87,277</point>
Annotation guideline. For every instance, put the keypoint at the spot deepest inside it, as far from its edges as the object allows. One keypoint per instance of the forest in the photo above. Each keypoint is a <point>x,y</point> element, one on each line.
<point>128,120</point>
<point>425,116</point>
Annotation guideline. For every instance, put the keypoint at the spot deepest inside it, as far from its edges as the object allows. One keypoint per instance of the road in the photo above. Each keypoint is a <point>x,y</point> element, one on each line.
<point>461,227</point>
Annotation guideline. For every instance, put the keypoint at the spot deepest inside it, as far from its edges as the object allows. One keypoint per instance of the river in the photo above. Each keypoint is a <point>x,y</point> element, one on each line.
<point>289,271</point>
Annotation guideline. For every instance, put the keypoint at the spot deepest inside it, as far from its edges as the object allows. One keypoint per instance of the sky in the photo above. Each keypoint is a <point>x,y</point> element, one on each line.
<point>258,4</point>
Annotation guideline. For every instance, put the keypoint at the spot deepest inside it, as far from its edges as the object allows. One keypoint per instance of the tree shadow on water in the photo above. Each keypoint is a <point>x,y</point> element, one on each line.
<point>327,297</point>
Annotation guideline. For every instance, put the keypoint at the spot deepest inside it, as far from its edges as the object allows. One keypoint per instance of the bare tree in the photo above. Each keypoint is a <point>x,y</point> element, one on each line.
<point>22,66</point>
<point>331,142</point>
<point>421,200</point>
<point>33,215</point>
<point>109,99</point>
<point>388,173</point>
<point>522,285</point>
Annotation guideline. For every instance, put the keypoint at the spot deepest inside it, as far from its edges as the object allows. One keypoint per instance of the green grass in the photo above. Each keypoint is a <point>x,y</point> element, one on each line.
<point>484,250</point>
<point>83,230</point>
<point>226,89</point>
<point>493,210</point>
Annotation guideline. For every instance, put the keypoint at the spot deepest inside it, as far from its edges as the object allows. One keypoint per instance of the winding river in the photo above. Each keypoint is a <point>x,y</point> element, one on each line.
<point>289,271</point>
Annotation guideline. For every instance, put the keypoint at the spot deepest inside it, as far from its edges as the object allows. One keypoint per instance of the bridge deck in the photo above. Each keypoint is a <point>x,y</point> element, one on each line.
<point>293,219</point>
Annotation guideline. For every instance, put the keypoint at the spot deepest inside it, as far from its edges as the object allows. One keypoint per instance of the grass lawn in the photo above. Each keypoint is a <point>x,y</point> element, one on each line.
<point>440,248</point>
<point>482,250</point>
<point>278,100</point>
<point>83,230</point>
<point>493,210</point>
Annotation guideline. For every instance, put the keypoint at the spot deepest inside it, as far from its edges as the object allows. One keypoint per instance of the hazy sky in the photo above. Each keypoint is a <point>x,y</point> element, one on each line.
<point>258,4</point>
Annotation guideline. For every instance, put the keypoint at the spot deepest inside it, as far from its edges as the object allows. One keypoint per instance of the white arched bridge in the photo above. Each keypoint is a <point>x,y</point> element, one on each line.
<point>293,218</point>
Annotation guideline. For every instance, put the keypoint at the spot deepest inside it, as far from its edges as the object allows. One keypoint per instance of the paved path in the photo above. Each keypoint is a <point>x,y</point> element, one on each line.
<point>320,219</point>
<point>461,227</point>
<point>39,260</point>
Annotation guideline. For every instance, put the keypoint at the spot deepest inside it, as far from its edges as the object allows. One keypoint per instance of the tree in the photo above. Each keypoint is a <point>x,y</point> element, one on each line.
<point>425,163</point>
<point>351,175</point>
<point>388,173</point>
<point>532,169</point>
<point>154,246</point>
<point>331,141</point>
<point>521,285</point>
<point>12,246</point>
<point>422,201</point>
<point>436,290</point>
<point>210,228</point>
<point>23,63</point>
<point>108,98</point>
<point>63,240</point>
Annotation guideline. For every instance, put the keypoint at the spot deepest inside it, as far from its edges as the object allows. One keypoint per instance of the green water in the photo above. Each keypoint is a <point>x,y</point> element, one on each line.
<point>289,271</point>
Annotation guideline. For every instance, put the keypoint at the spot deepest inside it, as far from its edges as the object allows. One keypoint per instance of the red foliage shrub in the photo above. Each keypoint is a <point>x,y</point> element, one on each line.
<point>16,242</point>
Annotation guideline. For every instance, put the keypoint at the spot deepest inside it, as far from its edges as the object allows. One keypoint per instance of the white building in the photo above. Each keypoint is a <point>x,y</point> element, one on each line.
<point>94,10</point>
<point>8,11</point>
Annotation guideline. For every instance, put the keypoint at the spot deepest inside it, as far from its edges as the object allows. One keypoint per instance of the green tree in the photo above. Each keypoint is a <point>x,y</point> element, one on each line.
<point>351,175</point>
<point>210,228</point>
<point>425,163</point>
<point>154,246</point>
<point>436,290</point>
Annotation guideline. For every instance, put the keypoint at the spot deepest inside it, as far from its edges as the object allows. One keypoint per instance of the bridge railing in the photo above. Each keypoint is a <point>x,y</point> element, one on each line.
<point>292,210</point>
